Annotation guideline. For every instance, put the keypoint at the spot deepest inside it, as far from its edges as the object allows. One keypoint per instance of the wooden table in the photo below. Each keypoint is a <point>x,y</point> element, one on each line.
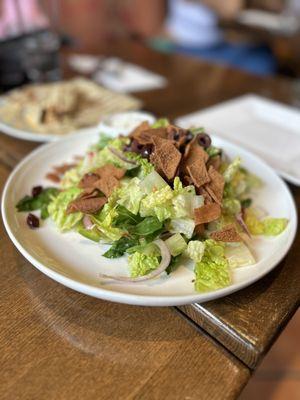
<point>58,344</point>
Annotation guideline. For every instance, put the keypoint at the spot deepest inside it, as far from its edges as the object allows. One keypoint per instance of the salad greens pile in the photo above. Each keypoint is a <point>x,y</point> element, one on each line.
<point>147,206</point>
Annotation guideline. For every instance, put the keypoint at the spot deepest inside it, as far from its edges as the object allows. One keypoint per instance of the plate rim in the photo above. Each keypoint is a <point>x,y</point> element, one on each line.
<point>247,97</point>
<point>139,299</point>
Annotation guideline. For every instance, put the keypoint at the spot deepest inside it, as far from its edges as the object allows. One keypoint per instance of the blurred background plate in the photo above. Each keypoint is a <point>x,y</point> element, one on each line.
<point>267,128</point>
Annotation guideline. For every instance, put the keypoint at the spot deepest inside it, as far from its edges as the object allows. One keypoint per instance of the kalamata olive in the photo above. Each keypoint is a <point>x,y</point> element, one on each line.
<point>204,140</point>
<point>146,151</point>
<point>32,221</point>
<point>36,190</point>
<point>136,147</point>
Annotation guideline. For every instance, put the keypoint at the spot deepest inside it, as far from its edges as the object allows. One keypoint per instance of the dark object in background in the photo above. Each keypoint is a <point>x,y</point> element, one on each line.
<point>28,58</point>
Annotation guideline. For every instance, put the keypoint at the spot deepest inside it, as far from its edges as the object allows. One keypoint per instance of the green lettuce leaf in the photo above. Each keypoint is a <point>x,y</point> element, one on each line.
<point>126,219</point>
<point>161,123</point>
<point>158,203</point>
<point>58,206</point>
<point>104,222</point>
<point>148,226</point>
<point>238,255</point>
<point>120,247</point>
<point>195,250</point>
<point>212,272</point>
<point>267,226</point>
<point>141,264</point>
<point>176,244</point>
<point>130,195</point>
<point>39,202</point>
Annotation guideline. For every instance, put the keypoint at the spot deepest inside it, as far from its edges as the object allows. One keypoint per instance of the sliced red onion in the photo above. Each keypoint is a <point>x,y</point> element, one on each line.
<point>165,261</point>
<point>121,156</point>
<point>240,220</point>
<point>87,222</point>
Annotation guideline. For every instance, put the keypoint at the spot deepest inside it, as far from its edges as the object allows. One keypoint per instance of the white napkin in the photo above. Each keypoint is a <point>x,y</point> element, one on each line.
<point>122,77</point>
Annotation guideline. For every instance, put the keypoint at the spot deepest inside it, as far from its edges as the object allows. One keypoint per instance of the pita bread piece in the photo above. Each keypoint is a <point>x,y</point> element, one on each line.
<point>227,234</point>
<point>215,187</point>
<point>86,205</point>
<point>207,213</point>
<point>167,157</point>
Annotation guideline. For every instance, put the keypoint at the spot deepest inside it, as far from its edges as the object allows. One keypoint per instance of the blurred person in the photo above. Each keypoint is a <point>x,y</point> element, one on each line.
<point>18,17</point>
<point>192,28</point>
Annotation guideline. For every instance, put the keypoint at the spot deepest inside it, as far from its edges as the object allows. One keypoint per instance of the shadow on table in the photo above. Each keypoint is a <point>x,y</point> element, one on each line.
<point>87,322</point>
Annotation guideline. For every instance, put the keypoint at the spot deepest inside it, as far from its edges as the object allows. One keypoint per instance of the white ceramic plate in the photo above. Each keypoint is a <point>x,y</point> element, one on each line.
<point>76,262</point>
<point>40,137</point>
<point>268,129</point>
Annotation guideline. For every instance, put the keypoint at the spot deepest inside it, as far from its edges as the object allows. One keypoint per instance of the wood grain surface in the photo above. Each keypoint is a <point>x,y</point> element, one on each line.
<point>58,344</point>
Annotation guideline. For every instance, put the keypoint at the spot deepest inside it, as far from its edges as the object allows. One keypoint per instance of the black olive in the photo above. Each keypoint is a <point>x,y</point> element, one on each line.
<point>32,221</point>
<point>204,140</point>
<point>36,190</point>
<point>147,150</point>
<point>136,147</point>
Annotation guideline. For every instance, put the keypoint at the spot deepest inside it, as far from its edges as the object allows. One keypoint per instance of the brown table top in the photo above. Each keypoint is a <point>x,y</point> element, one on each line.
<point>56,343</point>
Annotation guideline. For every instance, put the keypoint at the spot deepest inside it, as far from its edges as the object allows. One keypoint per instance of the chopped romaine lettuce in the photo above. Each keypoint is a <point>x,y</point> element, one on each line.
<point>195,250</point>
<point>183,204</point>
<point>158,203</point>
<point>231,206</point>
<point>144,166</point>
<point>58,206</point>
<point>130,195</point>
<point>161,123</point>
<point>176,244</point>
<point>91,234</point>
<point>213,151</point>
<point>104,222</point>
<point>182,225</point>
<point>152,183</point>
<point>232,169</point>
<point>180,189</point>
<point>141,264</point>
<point>212,272</point>
<point>104,140</point>
<point>267,226</point>
<point>274,226</point>
<point>238,255</point>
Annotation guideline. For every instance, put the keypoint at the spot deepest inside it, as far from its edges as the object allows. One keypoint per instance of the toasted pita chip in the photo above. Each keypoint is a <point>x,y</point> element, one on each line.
<point>109,170</point>
<point>199,230</point>
<point>198,172</point>
<point>215,187</point>
<point>227,234</point>
<point>89,192</point>
<point>193,153</point>
<point>53,177</point>
<point>214,162</point>
<point>61,169</point>
<point>167,157</point>
<point>207,198</point>
<point>177,135</point>
<point>88,180</point>
<point>106,185</point>
<point>207,213</point>
<point>86,205</point>
<point>146,136</point>
<point>137,131</point>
